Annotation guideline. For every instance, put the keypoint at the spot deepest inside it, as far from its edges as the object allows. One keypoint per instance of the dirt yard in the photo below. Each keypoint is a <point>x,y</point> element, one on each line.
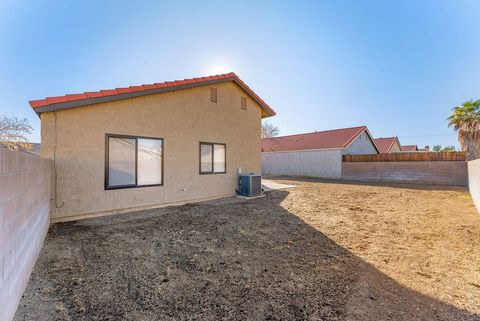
<point>320,251</point>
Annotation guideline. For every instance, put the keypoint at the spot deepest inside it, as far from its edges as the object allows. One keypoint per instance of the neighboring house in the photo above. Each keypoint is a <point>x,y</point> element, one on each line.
<point>35,148</point>
<point>151,145</point>
<point>387,145</point>
<point>414,148</point>
<point>317,154</point>
<point>409,148</point>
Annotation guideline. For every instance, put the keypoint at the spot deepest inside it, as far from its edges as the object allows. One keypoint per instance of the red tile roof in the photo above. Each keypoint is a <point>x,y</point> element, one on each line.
<point>88,98</point>
<point>385,144</point>
<point>328,139</point>
<point>409,148</point>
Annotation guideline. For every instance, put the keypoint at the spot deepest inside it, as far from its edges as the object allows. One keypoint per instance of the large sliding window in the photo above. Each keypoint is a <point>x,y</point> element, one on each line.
<point>132,161</point>
<point>212,158</point>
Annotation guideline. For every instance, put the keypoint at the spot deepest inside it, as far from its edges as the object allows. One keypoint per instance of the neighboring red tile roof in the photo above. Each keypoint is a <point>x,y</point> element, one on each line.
<point>88,98</point>
<point>385,144</point>
<point>409,148</point>
<point>328,139</point>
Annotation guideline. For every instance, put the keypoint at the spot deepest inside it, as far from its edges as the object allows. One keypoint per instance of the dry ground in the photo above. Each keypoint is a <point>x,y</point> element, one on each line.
<point>321,251</point>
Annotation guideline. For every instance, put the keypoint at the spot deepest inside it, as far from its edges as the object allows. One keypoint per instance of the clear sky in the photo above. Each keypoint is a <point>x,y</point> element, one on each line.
<point>395,66</point>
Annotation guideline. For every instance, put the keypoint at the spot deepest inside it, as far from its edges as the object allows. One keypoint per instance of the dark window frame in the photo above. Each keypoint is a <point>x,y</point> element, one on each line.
<point>213,158</point>
<point>106,181</point>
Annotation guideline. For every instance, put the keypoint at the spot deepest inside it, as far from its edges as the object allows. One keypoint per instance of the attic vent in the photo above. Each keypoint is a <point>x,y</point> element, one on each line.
<point>213,95</point>
<point>243,103</point>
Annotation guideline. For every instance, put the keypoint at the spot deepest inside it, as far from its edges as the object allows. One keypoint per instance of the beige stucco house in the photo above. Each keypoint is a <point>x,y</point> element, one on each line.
<point>151,145</point>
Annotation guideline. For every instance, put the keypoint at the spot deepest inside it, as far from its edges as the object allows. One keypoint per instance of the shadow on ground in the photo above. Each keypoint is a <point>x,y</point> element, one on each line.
<point>231,260</point>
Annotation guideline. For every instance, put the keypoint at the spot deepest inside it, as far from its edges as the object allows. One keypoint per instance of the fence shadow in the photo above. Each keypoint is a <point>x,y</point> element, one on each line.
<point>231,260</point>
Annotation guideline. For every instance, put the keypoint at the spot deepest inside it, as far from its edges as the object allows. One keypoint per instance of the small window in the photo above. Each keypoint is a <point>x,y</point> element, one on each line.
<point>212,158</point>
<point>243,103</point>
<point>213,95</point>
<point>133,161</point>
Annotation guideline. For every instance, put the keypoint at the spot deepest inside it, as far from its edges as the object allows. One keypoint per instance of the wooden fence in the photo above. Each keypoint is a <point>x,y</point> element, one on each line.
<point>408,157</point>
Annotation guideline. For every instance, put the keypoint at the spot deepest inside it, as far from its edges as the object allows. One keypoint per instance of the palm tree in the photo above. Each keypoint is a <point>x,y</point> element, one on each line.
<point>465,119</point>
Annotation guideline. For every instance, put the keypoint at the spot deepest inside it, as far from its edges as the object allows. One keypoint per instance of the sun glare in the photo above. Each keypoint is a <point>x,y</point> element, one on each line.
<point>218,69</point>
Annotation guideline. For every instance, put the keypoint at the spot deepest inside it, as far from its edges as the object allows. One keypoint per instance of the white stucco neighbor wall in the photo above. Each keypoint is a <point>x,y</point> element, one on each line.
<point>315,163</point>
<point>474,181</point>
<point>361,145</point>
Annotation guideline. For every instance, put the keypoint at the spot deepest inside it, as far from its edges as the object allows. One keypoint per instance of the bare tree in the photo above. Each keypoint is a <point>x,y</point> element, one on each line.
<point>14,131</point>
<point>269,130</point>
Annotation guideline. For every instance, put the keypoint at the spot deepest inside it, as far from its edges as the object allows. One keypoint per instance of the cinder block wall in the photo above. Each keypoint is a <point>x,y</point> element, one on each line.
<point>24,221</point>
<point>429,173</point>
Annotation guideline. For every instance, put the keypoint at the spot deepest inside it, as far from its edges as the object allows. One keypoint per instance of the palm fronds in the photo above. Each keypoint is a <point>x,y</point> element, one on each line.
<point>465,119</point>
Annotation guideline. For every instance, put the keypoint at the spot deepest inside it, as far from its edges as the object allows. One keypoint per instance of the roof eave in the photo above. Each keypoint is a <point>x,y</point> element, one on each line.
<point>390,147</point>
<point>303,150</point>
<point>365,128</point>
<point>266,110</point>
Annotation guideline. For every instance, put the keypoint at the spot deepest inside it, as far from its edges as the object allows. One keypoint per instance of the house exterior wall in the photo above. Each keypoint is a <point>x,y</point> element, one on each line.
<point>396,148</point>
<point>361,145</point>
<point>24,221</point>
<point>428,173</point>
<point>320,163</point>
<point>183,118</point>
